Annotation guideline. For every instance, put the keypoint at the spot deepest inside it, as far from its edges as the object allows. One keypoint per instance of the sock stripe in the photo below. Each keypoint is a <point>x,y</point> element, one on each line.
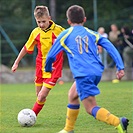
<point>72,106</point>
<point>94,111</point>
<point>40,103</point>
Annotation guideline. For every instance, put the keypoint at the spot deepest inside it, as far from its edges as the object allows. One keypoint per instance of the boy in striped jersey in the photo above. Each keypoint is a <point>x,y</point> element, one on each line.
<point>43,38</point>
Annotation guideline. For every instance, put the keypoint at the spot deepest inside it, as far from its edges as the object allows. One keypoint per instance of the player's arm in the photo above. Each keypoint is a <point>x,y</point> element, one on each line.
<point>58,46</point>
<point>28,48</point>
<point>113,52</point>
<point>18,59</point>
<point>105,43</point>
<point>51,57</point>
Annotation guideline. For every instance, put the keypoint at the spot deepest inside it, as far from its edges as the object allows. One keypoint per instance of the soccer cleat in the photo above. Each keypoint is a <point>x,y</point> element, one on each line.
<point>122,127</point>
<point>64,131</point>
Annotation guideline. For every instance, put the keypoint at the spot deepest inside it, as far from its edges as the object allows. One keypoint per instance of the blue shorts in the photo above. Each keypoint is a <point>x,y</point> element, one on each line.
<point>87,86</point>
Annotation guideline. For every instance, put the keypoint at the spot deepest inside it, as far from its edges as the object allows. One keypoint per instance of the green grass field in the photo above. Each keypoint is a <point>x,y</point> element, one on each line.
<point>117,98</point>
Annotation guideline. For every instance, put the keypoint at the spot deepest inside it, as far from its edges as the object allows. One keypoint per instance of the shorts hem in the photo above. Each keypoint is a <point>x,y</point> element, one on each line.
<point>48,85</point>
<point>38,84</point>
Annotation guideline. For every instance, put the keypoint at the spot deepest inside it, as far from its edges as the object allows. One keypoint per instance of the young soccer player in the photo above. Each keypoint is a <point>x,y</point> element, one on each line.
<point>81,46</point>
<point>43,38</point>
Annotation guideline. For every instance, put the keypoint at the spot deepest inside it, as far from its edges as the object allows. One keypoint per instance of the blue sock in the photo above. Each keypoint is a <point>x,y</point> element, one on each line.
<point>94,111</point>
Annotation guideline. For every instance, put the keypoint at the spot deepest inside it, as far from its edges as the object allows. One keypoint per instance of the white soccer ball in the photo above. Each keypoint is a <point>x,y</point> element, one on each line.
<point>26,117</point>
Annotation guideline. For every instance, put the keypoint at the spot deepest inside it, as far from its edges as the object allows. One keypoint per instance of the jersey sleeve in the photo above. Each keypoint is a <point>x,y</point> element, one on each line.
<point>30,44</point>
<point>109,47</point>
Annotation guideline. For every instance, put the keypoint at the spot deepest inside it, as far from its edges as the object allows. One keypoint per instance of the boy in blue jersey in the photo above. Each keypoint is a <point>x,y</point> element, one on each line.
<point>81,46</point>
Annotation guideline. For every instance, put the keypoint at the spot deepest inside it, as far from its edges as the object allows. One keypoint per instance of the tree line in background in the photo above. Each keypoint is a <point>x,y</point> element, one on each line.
<point>16,18</point>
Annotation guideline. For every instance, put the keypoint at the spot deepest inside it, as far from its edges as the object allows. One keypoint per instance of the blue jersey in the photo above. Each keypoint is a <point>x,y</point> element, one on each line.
<point>81,47</point>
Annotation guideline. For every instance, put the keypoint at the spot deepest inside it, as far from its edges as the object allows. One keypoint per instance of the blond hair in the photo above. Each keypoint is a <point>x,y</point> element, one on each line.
<point>40,11</point>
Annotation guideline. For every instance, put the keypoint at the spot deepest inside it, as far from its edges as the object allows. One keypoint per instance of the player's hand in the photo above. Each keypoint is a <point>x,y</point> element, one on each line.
<point>14,67</point>
<point>53,68</point>
<point>120,74</point>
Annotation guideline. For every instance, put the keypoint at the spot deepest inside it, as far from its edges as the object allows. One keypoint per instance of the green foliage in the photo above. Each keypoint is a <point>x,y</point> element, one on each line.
<point>16,18</point>
<point>117,98</point>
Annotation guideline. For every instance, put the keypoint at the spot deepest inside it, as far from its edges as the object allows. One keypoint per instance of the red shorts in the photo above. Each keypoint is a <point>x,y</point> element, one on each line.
<point>47,82</point>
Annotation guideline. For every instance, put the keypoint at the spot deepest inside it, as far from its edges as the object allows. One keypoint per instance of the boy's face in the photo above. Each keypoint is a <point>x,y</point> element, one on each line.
<point>43,22</point>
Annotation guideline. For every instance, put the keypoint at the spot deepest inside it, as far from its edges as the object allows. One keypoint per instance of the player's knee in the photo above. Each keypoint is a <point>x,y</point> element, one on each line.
<point>72,98</point>
<point>69,94</point>
<point>41,97</point>
<point>72,95</point>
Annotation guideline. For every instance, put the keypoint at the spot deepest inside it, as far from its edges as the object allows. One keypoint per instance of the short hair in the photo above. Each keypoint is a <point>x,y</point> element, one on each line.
<point>40,11</point>
<point>75,14</point>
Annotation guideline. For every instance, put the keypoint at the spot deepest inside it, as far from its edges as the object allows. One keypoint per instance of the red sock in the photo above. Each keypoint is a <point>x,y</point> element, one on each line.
<point>37,108</point>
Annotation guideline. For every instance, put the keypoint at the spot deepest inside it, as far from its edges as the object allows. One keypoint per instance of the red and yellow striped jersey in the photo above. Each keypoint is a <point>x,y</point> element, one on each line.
<point>44,40</point>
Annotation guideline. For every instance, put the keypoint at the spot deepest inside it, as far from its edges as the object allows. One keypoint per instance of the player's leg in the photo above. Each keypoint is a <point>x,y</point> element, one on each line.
<point>38,105</point>
<point>73,97</point>
<point>38,88</point>
<point>72,110</point>
<point>99,113</point>
<point>87,89</point>
<point>71,115</point>
<point>38,84</point>
<point>41,99</point>
<point>48,84</point>
<point>104,115</point>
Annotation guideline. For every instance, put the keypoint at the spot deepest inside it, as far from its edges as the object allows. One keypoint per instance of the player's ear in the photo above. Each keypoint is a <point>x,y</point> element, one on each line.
<point>68,21</point>
<point>84,19</point>
<point>50,17</point>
